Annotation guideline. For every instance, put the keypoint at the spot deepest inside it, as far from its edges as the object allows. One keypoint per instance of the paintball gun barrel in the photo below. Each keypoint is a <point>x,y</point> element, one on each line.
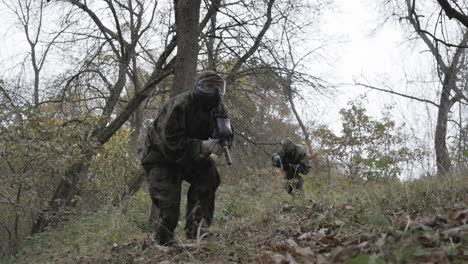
<point>224,135</point>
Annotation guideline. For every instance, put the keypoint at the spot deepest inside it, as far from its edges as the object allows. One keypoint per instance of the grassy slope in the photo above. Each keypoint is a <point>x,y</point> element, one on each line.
<point>424,221</point>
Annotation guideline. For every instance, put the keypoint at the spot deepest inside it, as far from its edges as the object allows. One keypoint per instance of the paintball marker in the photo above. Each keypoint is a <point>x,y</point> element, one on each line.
<point>224,135</point>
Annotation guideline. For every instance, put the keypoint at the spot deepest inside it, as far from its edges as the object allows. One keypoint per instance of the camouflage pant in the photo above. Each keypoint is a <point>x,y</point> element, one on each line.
<point>294,181</point>
<point>165,191</point>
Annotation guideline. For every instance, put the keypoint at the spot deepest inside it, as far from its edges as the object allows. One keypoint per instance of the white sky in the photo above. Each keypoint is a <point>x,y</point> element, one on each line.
<point>385,59</point>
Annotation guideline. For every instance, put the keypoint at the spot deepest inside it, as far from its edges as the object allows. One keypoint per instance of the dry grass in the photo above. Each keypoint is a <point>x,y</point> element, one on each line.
<point>255,221</point>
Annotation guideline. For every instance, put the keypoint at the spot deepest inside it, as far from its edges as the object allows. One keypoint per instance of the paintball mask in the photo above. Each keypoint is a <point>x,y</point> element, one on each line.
<point>209,89</point>
<point>288,145</point>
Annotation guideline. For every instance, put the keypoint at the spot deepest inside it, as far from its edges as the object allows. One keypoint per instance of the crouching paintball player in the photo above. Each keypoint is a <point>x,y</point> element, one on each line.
<point>292,159</point>
<point>187,130</point>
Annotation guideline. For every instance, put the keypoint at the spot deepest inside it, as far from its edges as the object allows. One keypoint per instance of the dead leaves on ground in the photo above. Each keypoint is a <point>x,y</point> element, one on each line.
<point>441,238</point>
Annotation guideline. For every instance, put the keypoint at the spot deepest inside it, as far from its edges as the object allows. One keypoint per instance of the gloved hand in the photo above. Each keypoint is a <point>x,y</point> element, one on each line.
<point>210,146</point>
<point>276,160</point>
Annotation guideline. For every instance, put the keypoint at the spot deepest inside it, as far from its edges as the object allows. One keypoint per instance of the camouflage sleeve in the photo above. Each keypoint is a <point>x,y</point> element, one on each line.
<point>178,146</point>
<point>284,163</point>
<point>304,167</point>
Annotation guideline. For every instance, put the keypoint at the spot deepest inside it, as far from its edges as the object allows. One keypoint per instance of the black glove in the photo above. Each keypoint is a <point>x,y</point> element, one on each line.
<point>276,160</point>
<point>210,146</point>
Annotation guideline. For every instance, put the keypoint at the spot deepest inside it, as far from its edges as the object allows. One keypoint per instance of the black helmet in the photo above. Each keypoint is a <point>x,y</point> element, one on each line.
<point>209,89</point>
<point>209,83</point>
<point>287,143</point>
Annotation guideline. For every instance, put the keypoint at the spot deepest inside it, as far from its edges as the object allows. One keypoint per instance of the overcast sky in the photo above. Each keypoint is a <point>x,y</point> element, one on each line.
<point>382,57</point>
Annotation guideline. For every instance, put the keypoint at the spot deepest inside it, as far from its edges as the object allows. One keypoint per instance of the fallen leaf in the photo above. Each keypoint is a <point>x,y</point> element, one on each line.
<point>339,222</point>
<point>460,216</point>
<point>286,208</point>
<point>421,227</point>
<point>321,259</point>
<point>323,231</point>
<point>429,239</point>
<point>273,258</point>
<point>363,244</point>
<point>329,240</point>
<point>304,252</point>
<point>381,240</point>
<point>435,221</point>
<point>305,236</point>
<point>163,248</point>
<point>452,232</point>
<point>289,259</point>
<point>437,256</point>
<point>341,254</point>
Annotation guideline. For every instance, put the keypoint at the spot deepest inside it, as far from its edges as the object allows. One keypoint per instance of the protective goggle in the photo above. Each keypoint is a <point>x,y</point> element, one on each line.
<point>210,86</point>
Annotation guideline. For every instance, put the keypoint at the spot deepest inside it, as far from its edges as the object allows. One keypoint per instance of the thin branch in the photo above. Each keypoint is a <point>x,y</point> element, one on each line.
<point>397,93</point>
<point>257,41</point>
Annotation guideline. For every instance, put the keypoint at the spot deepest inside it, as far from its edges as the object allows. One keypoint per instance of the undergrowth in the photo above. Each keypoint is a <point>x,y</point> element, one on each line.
<point>256,221</point>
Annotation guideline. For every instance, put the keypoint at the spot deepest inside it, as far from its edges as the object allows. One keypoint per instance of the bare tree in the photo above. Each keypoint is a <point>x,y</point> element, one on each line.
<point>449,60</point>
<point>123,49</point>
<point>449,73</point>
<point>30,15</point>
<point>187,14</point>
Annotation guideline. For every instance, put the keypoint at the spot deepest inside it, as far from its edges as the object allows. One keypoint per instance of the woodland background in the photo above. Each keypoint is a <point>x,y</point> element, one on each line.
<point>77,98</point>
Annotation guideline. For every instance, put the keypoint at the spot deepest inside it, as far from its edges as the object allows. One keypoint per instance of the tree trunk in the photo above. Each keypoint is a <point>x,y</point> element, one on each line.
<point>302,126</point>
<point>210,47</point>
<point>289,94</point>
<point>63,194</point>
<point>187,14</point>
<point>36,87</point>
<point>442,156</point>
<point>17,215</point>
<point>131,189</point>
<point>450,71</point>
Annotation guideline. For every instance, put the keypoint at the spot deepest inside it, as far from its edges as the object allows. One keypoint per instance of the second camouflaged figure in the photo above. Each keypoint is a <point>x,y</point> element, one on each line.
<point>292,159</point>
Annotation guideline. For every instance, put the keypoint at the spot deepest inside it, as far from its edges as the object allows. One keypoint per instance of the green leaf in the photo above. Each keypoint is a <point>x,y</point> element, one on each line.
<point>465,153</point>
<point>365,259</point>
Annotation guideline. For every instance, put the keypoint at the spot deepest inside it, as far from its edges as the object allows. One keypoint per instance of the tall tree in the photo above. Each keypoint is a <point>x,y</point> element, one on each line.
<point>450,71</point>
<point>116,45</point>
<point>449,61</point>
<point>30,15</point>
<point>122,50</point>
<point>187,14</point>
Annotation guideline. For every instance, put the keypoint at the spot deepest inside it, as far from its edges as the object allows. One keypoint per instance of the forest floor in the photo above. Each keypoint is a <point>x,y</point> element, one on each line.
<point>420,221</point>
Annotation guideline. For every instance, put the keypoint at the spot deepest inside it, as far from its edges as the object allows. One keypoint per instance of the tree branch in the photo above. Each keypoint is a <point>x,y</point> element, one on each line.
<point>397,93</point>
<point>256,44</point>
<point>452,13</point>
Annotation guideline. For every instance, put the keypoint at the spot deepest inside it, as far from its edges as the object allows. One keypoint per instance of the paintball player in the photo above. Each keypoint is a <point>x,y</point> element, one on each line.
<point>178,147</point>
<point>292,159</point>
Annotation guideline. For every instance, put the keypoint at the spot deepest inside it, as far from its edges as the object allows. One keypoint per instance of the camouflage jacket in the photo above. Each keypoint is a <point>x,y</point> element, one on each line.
<point>294,157</point>
<point>175,135</point>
